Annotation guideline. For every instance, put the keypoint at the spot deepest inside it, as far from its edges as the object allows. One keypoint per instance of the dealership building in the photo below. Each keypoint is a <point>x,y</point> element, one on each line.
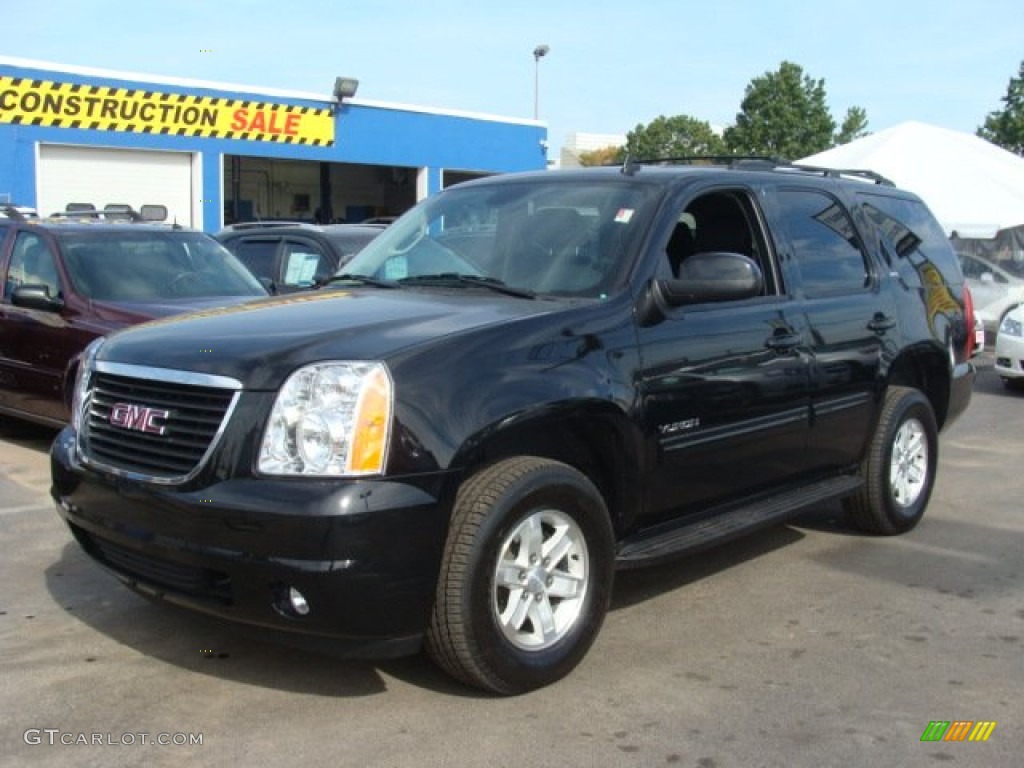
<point>215,153</point>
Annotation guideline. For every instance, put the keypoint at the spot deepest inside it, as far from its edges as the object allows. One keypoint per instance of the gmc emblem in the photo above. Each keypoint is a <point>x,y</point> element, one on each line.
<point>140,418</point>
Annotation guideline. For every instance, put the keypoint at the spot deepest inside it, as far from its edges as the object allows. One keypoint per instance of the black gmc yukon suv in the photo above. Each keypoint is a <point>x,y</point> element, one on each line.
<point>525,383</point>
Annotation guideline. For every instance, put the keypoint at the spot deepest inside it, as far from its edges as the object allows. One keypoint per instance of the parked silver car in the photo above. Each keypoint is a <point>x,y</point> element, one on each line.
<point>996,288</point>
<point>1010,348</point>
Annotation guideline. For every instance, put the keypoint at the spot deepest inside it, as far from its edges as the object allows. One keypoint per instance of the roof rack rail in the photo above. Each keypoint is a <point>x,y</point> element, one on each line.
<point>860,173</point>
<point>98,215</point>
<point>12,212</point>
<point>755,163</point>
<point>119,212</point>
<point>730,160</point>
<point>151,213</point>
<point>758,162</point>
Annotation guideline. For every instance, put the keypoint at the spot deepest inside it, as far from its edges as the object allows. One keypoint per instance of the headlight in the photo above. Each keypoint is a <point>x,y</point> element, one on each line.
<point>330,419</point>
<point>80,394</point>
<point>1011,327</point>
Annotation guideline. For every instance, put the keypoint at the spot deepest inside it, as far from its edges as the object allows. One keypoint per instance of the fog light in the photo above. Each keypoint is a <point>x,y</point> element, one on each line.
<point>297,602</point>
<point>288,601</point>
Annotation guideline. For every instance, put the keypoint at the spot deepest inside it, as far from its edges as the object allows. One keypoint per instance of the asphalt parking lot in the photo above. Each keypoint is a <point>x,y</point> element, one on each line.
<point>808,645</point>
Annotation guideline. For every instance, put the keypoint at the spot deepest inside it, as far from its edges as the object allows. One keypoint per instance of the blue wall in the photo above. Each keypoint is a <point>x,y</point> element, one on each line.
<point>363,133</point>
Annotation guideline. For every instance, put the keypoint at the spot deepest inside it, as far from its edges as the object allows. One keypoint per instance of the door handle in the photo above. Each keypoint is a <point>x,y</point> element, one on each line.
<point>782,341</point>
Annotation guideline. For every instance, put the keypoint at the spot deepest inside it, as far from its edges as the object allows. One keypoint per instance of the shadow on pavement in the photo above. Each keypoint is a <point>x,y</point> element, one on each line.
<point>209,646</point>
<point>27,434</point>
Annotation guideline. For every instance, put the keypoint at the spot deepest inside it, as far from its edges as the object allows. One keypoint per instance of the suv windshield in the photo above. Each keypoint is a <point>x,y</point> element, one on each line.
<point>150,264</point>
<point>545,236</point>
<point>352,240</point>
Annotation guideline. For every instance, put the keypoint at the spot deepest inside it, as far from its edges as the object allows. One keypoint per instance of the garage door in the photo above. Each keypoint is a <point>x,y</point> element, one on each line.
<point>116,176</point>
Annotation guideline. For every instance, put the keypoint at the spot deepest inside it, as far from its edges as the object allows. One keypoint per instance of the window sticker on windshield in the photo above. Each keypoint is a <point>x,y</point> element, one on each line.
<point>624,215</point>
<point>396,268</point>
<point>301,269</point>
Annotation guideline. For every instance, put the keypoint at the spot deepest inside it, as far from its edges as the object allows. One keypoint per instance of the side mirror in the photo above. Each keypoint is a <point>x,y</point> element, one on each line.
<point>36,297</point>
<point>712,276</point>
<point>987,278</point>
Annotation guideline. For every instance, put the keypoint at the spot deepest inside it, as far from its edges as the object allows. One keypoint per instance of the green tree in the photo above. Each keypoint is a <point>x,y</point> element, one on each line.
<point>783,114</point>
<point>679,136</point>
<point>1005,127</point>
<point>602,156</point>
<point>855,126</point>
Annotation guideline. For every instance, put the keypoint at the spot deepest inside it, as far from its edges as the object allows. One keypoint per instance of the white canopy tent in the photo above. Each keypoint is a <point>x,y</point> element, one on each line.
<point>974,188</point>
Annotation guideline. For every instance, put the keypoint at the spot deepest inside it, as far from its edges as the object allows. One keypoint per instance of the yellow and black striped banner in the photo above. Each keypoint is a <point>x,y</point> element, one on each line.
<point>105,108</point>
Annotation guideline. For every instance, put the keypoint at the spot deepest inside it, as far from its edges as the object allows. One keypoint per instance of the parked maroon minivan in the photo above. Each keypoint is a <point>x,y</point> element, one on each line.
<point>66,280</point>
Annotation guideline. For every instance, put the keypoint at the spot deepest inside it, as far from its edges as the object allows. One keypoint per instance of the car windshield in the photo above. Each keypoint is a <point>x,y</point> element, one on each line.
<point>353,240</point>
<point>141,264</point>
<point>541,236</point>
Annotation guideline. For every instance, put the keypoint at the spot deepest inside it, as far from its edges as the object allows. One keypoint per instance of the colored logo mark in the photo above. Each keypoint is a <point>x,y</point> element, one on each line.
<point>958,730</point>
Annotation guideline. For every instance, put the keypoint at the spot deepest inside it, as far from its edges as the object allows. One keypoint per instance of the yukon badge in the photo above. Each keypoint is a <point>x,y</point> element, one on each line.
<point>678,426</point>
<point>140,418</point>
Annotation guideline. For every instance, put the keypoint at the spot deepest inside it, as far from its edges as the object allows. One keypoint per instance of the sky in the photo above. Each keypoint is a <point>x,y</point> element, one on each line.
<point>611,65</point>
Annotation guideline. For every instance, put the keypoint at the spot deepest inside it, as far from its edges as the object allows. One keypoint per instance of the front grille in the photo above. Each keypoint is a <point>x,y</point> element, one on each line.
<point>196,415</point>
<point>184,579</point>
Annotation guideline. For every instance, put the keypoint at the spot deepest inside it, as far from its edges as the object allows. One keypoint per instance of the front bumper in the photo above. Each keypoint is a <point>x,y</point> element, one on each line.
<point>364,555</point>
<point>1009,356</point>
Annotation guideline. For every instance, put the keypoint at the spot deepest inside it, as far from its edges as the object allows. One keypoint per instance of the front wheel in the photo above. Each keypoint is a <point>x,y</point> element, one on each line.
<point>899,469</point>
<point>526,576</point>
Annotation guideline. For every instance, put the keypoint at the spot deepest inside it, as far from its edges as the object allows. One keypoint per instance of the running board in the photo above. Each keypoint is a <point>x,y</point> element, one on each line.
<point>672,539</point>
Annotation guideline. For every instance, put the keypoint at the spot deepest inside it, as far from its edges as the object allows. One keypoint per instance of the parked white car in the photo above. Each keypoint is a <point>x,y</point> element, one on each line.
<point>996,288</point>
<point>1010,348</point>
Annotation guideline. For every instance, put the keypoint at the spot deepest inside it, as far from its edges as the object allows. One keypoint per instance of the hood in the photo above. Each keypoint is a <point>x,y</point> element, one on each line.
<point>117,313</point>
<point>261,343</point>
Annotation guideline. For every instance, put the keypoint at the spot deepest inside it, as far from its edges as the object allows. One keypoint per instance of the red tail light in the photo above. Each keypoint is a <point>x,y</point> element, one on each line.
<point>970,320</point>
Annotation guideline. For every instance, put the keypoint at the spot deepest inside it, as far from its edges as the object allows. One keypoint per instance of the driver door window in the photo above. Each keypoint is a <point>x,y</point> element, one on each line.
<point>32,263</point>
<point>258,255</point>
<point>724,220</point>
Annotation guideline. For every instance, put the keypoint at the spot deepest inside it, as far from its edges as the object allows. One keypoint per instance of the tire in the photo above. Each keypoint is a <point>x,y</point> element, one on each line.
<point>899,469</point>
<point>507,618</point>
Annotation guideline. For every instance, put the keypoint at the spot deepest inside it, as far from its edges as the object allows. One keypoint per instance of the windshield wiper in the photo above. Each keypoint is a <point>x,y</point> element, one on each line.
<point>362,279</point>
<point>482,281</point>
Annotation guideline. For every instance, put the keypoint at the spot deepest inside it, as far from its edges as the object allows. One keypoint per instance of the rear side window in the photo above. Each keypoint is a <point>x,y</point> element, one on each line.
<point>826,246</point>
<point>908,229</point>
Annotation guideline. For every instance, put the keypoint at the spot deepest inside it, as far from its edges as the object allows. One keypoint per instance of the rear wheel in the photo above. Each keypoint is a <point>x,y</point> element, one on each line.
<point>526,576</point>
<point>899,470</point>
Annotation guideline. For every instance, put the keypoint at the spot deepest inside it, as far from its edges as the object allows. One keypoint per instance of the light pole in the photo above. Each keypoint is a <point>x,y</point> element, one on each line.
<point>538,53</point>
